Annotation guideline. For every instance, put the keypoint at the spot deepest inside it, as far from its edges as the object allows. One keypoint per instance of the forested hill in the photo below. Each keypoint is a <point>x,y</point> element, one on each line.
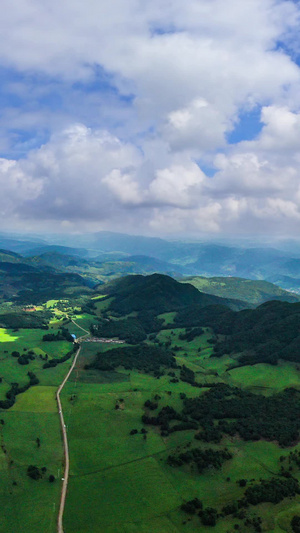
<point>24,282</point>
<point>265,334</point>
<point>160,293</point>
<point>254,292</point>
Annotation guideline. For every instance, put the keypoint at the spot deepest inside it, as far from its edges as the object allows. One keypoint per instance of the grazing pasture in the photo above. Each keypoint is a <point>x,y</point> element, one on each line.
<point>122,482</point>
<point>121,477</point>
<point>30,433</point>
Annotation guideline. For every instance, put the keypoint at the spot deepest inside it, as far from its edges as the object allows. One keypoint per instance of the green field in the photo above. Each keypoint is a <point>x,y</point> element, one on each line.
<point>252,291</point>
<point>122,483</point>
<point>30,506</point>
<point>266,378</point>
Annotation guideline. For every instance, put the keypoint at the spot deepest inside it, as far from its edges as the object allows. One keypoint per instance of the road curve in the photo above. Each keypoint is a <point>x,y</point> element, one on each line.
<point>73,322</point>
<point>66,448</point>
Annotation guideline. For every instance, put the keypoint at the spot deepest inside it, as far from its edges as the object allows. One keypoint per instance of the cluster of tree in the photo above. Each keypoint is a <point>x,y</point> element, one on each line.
<point>25,358</point>
<point>198,316</point>
<point>16,389</point>
<point>145,357</point>
<point>229,410</point>
<point>295,524</point>
<point>128,329</point>
<point>165,417</point>
<point>272,490</point>
<point>58,360</point>
<point>89,307</point>
<point>230,508</point>
<point>188,376</point>
<point>250,415</point>
<point>202,459</point>
<point>36,473</point>
<point>191,333</point>
<point>252,522</point>
<point>149,404</point>
<point>208,516</point>
<point>135,432</point>
<point>264,334</point>
<point>149,321</point>
<point>192,506</point>
<point>21,319</point>
<point>62,335</point>
<point>292,458</point>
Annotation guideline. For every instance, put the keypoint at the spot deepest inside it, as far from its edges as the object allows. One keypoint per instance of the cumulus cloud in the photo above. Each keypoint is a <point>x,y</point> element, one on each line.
<point>200,126</point>
<point>16,187</point>
<point>124,187</point>
<point>145,93</point>
<point>178,185</point>
<point>67,174</point>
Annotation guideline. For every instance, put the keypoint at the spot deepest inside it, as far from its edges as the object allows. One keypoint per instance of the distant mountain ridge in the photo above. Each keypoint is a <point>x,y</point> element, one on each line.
<point>121,254</point>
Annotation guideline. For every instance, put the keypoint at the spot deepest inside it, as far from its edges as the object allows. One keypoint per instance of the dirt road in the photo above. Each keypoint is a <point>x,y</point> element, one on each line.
<point>65,478</point>
<point>66,447</point>
<point>73,322</point>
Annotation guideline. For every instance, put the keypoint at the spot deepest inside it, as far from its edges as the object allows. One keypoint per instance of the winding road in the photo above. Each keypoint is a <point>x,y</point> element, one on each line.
<point>65,479</point>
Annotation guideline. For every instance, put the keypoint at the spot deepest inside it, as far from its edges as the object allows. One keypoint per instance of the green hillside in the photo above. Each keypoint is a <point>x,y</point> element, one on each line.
<point>27,283</point>
<point>253,291</point>
<point>160,294</point>
<point>263,335</point>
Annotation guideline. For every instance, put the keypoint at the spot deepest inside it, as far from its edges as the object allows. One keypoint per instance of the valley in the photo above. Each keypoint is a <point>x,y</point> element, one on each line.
<point>132,411</point>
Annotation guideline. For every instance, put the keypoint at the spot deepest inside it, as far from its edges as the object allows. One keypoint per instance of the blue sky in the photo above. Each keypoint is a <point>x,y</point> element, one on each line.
<point>247,127</point>
<point>159,118</point>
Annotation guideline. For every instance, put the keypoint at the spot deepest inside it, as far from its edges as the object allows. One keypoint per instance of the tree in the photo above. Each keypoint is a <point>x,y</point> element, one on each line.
<point>34,472</point>
<point>295,523</point>
<point>208,516</point>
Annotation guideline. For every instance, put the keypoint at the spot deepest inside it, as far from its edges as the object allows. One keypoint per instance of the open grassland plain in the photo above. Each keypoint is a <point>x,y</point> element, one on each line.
<point>30,436</point>
<point>122,482</point>
<point>30,432</point>
<point>266,378</point>
<point>125,475</point>
<point>22,342</point>
<point>84,321</point>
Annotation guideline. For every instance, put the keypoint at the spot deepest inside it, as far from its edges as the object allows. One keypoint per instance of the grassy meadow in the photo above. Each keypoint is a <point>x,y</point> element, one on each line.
<point>30,506</point>
<point>122,483</point>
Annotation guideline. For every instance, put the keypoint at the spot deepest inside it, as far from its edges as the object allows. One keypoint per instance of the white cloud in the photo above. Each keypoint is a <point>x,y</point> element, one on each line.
<point>192,67</point>
<point>202,219</point>
<point>86,178</point>
<point>16,187</point>
<point>69,173</point>
<point>124,187</point>
<point>281,131</point>
<point>179,185</point>
<point>199,126</point>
